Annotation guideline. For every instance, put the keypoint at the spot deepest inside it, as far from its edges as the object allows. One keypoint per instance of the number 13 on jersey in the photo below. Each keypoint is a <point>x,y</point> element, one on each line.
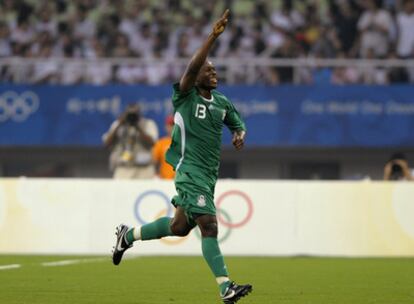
<point>200,111</point>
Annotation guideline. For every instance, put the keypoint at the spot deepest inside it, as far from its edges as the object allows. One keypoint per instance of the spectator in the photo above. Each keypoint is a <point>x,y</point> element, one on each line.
<point>130,74</point>
<point>22,73</point>
<point>195,37</point>
<point>46,22</point>
<point>405,24</point>
<point>372,74</point>
<point>164,169</point>
<point>107,29</point>
<point>121,48</point>
<point>97,73</point>
<point>345,75</point>
<point>42,39</point>
<point>410,72</point>
<point>284,74</point>
<point>131,20</point>
<point>375,27</point>
<point>72,72</point>
<point>8,11</point>
<point>157,72</point>
<point>283,22</point>
<point>397,168</point>
<point>323,29</point>
<point>287,19</point>
<point>259,44</point>
<point>5,47</point>
<point>345,21</point>
<point>143,42</point>
<point>131,138</point>
<point>397,74</point>
<point>83,27</point>
<point>23,34</point>
<point>311,33</point>
<point>327,45</point>
<point>45,71</point>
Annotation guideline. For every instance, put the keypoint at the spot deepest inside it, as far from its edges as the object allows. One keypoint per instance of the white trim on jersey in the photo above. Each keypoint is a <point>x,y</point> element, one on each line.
<point>179,121</point>
<point>208,100</point>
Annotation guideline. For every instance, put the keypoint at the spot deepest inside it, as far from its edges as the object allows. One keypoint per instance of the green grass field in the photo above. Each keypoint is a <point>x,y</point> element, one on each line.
<point>147,280</point>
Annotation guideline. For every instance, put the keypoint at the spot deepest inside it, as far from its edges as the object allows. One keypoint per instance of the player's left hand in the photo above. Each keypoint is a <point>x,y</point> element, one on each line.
<point>220,24</point>
<point>238,139</point>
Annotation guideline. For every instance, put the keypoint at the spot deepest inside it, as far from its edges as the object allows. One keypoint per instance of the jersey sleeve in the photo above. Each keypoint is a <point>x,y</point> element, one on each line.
<point>179,97</point>
<point>233,119</point>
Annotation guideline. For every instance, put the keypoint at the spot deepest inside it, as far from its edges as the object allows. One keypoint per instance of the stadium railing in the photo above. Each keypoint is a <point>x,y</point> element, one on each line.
<point>14,69</point>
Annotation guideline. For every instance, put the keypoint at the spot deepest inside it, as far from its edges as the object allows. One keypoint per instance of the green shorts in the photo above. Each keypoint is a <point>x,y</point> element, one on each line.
<point>195,194</point>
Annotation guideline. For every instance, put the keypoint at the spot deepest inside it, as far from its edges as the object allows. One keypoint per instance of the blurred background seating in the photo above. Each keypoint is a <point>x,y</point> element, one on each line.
<point>145,31</point>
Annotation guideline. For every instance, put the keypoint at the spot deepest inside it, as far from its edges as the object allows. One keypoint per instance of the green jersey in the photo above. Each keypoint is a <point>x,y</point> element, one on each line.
<point>196,136</point>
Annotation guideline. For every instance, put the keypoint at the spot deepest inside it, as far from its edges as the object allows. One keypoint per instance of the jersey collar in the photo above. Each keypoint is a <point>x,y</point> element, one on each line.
<point>205,99</point>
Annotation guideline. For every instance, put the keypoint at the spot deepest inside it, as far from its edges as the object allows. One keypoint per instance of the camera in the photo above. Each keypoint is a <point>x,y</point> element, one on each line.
<point>132,118</point>
<point>396,169</point>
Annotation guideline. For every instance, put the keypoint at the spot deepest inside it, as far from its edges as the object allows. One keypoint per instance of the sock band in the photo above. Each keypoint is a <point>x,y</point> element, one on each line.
<point>137,233</point>
<point>221,280</point>
<point>133,234</point>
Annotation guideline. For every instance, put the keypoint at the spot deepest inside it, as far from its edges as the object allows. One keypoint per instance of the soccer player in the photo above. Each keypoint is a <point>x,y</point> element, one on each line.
<point>200,114</point>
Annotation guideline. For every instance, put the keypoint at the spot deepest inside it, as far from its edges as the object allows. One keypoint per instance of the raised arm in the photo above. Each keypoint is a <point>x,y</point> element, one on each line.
<point>189,77</point>
<point>109,137</point>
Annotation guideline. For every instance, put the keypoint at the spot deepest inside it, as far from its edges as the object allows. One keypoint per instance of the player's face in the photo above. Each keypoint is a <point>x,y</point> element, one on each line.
<point>207,77</point>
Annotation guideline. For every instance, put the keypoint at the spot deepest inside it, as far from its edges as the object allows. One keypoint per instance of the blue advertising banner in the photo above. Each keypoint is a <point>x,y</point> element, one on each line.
<point>322,116</point>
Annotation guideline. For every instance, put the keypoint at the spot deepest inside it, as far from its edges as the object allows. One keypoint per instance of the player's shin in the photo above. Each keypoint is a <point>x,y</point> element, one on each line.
<point>214,259</point>
<point>157,229</point>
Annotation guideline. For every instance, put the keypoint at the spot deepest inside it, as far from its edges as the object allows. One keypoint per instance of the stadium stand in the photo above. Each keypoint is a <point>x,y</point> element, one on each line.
<point>163,31</point>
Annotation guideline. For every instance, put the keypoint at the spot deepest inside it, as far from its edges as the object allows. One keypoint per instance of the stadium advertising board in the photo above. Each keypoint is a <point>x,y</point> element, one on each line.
<point>255,217</point>
<point>326,116</point>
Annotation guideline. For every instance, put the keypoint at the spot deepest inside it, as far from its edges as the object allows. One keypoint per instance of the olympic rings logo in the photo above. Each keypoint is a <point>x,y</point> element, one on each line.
<point>18,107</point>
<point>223,217</point>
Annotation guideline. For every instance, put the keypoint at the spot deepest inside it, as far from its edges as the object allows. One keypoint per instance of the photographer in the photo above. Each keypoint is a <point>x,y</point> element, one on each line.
<point>397,168</point>
<point>130,139</point>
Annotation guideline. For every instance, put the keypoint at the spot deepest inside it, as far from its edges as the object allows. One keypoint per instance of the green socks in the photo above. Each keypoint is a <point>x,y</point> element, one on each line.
<point>212,255</point>
<point>156,230</point>
<point>214,258</point>
<point>211,250</point>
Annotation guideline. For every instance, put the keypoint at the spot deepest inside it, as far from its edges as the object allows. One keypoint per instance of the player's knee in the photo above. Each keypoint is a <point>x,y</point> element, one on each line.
<point>178,229</point>
<point>209,230</point>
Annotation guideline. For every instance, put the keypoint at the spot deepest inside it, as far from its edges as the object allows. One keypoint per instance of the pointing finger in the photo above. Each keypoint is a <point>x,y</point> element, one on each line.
<point>225,14</point>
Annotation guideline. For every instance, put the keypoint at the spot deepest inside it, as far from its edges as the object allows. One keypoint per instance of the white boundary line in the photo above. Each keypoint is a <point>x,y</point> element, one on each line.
<point>66,262</point>
<point>11,266</point>
<point>84,261</point>
<point>73,262</point>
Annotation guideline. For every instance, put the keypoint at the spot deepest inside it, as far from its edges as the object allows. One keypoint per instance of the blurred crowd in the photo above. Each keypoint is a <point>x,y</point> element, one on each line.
<point>161,31</point>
